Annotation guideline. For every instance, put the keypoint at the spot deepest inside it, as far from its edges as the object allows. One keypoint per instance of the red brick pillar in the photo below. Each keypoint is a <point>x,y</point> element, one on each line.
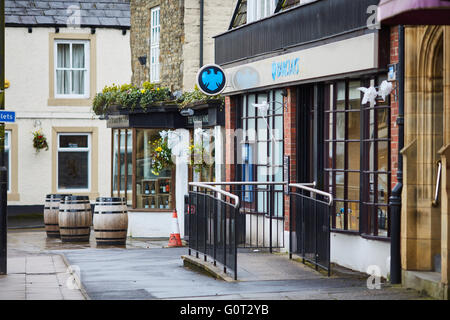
<point>394,110</point>
<point>230,127</point>
<point>290,144</point>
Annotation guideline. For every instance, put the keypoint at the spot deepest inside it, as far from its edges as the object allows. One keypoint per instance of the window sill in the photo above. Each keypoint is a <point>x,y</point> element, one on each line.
<point>349,232</point>
<point>70,102</point>
<point>378,238</point>
<point>150,210</point>
<point>362,235</point>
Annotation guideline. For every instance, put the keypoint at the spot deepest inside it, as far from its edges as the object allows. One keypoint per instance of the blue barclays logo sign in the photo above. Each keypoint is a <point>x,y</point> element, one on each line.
<point>285,68</point>
<point>246,77</point>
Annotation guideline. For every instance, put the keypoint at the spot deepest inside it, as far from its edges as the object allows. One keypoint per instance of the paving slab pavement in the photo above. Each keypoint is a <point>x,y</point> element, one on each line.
<point>42,277</point>
<point>143,269</point>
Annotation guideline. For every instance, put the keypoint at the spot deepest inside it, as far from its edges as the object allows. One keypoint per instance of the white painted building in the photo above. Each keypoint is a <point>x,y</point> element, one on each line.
<point>57,58</point>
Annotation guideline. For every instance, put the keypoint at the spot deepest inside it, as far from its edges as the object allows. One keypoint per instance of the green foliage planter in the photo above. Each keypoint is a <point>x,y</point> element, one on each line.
<point>127,99</point>
<point>197,97</point>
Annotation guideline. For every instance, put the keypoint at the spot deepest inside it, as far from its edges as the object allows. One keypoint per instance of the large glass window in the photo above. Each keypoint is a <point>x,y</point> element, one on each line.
<point>262,147</point>
<point>202,155</point>
<point>377,166</point>
<point>72,65</point>
<point>354,132</point>
<point>74,161</point>
<point>343,152</point>
<point>122,162</point>
<point>152,191</point>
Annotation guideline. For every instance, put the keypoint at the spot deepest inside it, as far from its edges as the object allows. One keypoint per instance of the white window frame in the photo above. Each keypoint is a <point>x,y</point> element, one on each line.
<point>254,9</point>
<point>155,33</point>
<point>8,134</point>
<point>88,150</point>
<point>86,68</point>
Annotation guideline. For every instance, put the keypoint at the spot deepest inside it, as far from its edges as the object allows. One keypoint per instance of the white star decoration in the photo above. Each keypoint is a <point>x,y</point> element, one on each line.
<point>370,94</point>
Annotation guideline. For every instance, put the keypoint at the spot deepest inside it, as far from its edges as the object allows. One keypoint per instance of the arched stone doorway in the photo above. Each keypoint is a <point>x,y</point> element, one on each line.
<point>427,137</point>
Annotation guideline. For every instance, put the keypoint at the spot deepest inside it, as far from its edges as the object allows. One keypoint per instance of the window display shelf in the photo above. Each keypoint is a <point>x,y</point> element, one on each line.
<point>156,194</point>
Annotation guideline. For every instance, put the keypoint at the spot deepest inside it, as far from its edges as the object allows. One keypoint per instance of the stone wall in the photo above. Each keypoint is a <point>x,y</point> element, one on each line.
<point>180,38</point>
<point>217,17</point>
<point>140,38</point>
<point>171,39</point>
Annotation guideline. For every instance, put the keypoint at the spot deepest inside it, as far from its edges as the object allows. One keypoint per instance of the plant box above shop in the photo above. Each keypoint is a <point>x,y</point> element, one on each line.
<point>166,115</point>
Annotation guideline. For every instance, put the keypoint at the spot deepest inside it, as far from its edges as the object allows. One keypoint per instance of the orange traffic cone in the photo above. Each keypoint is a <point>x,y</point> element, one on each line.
<point>175,239</point>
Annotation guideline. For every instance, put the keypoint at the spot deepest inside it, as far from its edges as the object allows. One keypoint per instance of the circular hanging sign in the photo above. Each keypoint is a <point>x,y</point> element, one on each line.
<point>211,79</point>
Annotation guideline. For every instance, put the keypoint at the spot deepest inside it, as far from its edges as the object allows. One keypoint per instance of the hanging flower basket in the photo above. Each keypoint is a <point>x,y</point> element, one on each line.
<point>161,155</point>
<point>39,141</point>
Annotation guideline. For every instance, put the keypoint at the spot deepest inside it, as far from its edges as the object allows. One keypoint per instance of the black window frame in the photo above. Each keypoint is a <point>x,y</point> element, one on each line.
<point>369,224</point>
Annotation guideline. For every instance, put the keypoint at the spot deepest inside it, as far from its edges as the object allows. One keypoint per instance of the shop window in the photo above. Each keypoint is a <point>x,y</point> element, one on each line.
<point>343,153</point>
<point>153,191</point>
<point>202,163</point>
<point>71,69</point>
<point>122,163</point>
<point>73,161</point>
<point>354,132</point>
<point>377,167</point>
<point>262,153</point>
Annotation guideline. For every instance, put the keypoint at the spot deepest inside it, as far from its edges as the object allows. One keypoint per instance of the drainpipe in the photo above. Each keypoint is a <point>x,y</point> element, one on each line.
<point>202,3</point>
<point>395,200</point>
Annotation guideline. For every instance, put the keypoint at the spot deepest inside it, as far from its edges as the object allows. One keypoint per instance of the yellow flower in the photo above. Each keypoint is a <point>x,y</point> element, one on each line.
<point>157,89</point>
<point>159,149</point>
<point>143,91</point>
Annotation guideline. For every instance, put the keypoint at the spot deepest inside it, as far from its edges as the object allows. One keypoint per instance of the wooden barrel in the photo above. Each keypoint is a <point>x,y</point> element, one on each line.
<point>51,214</point>
<point>75,219</point>
<point>110,221</point>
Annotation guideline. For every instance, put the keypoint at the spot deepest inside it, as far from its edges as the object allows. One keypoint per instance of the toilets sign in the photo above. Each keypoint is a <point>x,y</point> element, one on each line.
<point>7,116</point>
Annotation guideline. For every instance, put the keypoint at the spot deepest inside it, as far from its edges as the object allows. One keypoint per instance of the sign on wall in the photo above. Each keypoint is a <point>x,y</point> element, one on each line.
<point>286,174</point>
<point>7,116</point>
<point>211,79</point>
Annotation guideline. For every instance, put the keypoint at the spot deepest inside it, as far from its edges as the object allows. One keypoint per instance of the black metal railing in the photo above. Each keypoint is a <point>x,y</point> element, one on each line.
<point>309,225</point>
<point>212,215</point>
<point>260,222</point>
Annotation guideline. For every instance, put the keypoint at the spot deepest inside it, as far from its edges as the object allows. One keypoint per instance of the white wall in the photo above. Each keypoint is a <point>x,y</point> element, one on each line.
<point>357,253</point>
<point>27,69</point>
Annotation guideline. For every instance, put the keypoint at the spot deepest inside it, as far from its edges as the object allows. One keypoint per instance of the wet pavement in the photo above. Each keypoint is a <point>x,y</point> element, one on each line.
<point>145,269</point>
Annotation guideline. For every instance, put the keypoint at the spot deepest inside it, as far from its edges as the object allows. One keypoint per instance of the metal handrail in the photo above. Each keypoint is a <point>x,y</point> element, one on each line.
<point>304,186</point>
<point>238,183</point>
<point>218,190</point>
<point>438,184</point>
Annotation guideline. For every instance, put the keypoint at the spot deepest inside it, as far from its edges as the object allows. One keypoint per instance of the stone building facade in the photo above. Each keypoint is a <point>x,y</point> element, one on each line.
<point>179,38</point>
<point>425,221</point>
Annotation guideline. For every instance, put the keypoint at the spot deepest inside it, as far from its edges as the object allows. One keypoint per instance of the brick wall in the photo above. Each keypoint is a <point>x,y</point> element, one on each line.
<point>230,126</point>
<point>290,143</point>
<point>394,110</point>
